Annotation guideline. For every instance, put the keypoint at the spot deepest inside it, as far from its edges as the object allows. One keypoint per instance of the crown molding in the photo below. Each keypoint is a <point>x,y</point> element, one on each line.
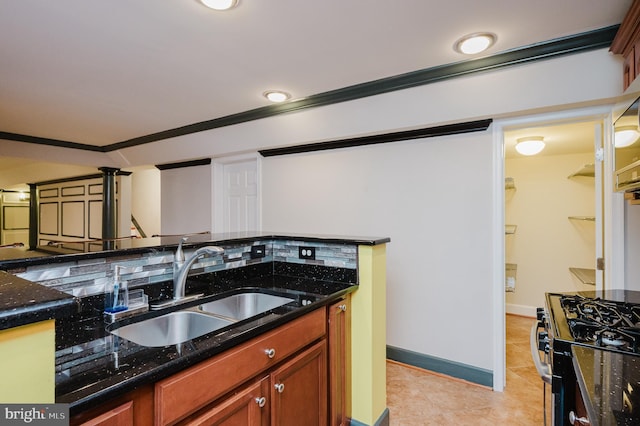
<point>591,40</point>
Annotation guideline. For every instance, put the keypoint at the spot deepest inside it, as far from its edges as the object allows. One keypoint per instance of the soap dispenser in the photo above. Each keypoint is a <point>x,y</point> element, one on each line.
<point>116,298</point>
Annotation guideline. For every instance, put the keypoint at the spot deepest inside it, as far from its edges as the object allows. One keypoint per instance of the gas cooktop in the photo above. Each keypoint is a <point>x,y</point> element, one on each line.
<point>607,324</point>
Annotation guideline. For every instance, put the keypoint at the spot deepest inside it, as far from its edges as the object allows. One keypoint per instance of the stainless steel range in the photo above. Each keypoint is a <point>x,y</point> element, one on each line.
<point>608,321</point>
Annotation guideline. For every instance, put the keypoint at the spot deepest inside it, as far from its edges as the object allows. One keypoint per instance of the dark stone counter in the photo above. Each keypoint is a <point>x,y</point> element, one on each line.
<point>93,366</point>
<point>610,385</point>
<point>23,302</point>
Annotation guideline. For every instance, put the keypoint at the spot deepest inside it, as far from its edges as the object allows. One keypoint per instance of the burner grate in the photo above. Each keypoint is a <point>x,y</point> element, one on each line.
<point>607,324</point>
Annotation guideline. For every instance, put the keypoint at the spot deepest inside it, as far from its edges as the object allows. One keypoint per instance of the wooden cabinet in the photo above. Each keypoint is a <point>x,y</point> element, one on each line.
<point>627,44</point>
<point>299,389</point>
<point>185,393</point>
<point>247,407</point>
<point>119,416</point>
<point>297,374</point>
<point>134,408</point>
<point>339,337</point>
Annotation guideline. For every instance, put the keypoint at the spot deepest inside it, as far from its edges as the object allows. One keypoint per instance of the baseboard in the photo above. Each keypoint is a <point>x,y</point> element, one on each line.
<point>443,366</point>
<point>383,420</point>
<point>522,310</point>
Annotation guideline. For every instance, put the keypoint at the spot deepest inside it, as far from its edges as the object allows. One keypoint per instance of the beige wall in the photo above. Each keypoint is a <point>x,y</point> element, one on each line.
<point>546,242</point>
<point>146,199</point>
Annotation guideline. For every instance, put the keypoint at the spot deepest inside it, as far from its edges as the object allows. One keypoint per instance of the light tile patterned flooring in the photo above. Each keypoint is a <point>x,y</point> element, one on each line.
<point>417,397</point>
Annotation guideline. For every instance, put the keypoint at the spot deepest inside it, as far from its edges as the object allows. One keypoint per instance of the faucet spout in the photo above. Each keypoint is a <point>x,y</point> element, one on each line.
<point>181,272</point>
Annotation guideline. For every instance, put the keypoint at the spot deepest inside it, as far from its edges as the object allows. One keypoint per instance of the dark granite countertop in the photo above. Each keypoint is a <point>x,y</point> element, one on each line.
<point>23,302</point>
<point>610,385</point>
<point>93,366</point>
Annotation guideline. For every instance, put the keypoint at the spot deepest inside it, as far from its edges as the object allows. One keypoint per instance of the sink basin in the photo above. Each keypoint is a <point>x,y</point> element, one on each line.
<point>244,305</point>
<point>170,329</point>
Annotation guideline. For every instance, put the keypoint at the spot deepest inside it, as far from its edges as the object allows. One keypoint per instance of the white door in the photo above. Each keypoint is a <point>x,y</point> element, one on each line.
<point>236,204</point>
<point>599,207</point>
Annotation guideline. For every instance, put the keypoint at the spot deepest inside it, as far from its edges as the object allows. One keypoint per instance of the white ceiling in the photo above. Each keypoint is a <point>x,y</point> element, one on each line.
<point>102,72</point>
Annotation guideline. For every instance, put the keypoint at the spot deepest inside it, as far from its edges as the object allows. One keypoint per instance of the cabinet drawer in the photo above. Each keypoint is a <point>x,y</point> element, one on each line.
<point>119,416</point>
<point>185,392</point>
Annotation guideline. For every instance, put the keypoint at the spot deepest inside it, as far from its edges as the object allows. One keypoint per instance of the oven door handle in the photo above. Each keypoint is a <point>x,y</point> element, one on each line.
<point>544,369</point>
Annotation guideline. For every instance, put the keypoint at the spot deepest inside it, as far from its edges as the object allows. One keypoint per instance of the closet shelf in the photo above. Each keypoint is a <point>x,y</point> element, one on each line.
<point>585,218</point>
<point>510,229</point>
<point>587,276</point>
<point>588,170</point>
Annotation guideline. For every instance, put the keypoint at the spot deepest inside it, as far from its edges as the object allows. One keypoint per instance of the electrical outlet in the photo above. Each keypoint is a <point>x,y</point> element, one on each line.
<point>308,253</point>
<point>258,251</point>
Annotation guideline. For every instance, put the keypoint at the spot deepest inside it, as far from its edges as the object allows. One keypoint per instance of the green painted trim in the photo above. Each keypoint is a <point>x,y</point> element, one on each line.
<point>576,43</point>
<point>49,142</point>
<point>439,365</point>
<point>383,420</point>
<point>428,132</point>
<point>192,163</point>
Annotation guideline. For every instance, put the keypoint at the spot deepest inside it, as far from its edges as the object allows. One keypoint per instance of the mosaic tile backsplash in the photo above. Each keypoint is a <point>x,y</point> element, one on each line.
<point>89,277</point>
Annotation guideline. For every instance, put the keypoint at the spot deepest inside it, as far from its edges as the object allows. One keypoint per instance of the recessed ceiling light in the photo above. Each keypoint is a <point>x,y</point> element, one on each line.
<point>220,4</point>
<point>276,95</point>
<point>625,136</point>
<point>475,43</point>
<point>530,145</point>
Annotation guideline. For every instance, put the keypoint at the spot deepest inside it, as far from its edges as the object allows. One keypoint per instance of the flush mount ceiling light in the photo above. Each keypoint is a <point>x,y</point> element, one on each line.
<point>625,136</point>
<point>474,43</point>
<point>220,4</point>
<point>276,95</point>
<point>530,145</point>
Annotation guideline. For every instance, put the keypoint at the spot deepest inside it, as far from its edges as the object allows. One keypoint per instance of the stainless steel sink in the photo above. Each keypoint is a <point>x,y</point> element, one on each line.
<point>244,305</point>
<point>171,328</point>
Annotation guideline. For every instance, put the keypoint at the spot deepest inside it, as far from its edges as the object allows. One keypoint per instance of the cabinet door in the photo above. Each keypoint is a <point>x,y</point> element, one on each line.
<point>339,334</point>
<point>248,407</point>
<point>134,408</point>
<point>119,416</point>
<point>299,389</point>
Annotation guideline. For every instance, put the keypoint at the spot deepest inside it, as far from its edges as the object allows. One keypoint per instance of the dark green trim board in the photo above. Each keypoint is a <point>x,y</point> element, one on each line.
<point>50,142</point>
<point>383,420</point>
<point>576,43</point>
<point>83,177</point>
<point>439,365</point>
<point>180,165</point>
<point>427,132</point>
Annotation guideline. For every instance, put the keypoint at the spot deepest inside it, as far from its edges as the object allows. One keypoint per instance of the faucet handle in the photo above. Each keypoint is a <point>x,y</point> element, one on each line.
<point>179,256</point>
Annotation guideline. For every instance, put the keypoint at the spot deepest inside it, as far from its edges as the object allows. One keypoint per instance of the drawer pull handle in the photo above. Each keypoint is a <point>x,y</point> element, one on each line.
<point>261,401</point>
<point>342,308</point>
<point>279,387</point>
<point>270,352</point>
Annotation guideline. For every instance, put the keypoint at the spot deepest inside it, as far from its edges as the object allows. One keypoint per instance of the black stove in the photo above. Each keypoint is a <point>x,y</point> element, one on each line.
<point>605,321</point>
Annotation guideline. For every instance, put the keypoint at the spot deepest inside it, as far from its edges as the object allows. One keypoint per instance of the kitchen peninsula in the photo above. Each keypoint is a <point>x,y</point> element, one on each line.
<point>322,275</point>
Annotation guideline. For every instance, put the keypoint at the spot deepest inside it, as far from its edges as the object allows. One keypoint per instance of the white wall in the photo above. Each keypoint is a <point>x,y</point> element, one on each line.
<point>146,199</point>
<point>546,242</point>
<point>432,197</point>
<point>186,200</point>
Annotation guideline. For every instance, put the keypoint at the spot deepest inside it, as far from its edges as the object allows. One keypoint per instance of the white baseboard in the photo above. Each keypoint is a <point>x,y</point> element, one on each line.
<point>522,310</point>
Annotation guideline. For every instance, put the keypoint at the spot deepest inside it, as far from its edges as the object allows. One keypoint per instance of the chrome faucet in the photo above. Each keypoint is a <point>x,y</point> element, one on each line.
<point>181,267</point>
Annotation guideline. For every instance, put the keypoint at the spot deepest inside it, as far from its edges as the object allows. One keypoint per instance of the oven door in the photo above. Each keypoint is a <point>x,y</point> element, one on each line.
<point>539,342</point>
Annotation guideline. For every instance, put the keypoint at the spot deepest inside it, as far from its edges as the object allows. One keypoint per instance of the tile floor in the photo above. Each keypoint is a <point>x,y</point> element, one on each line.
<point>417,397</point>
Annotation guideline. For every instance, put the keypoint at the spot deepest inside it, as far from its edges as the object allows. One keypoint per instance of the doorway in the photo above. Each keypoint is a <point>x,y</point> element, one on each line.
<point>553,213</point>
<point>529,287</point>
